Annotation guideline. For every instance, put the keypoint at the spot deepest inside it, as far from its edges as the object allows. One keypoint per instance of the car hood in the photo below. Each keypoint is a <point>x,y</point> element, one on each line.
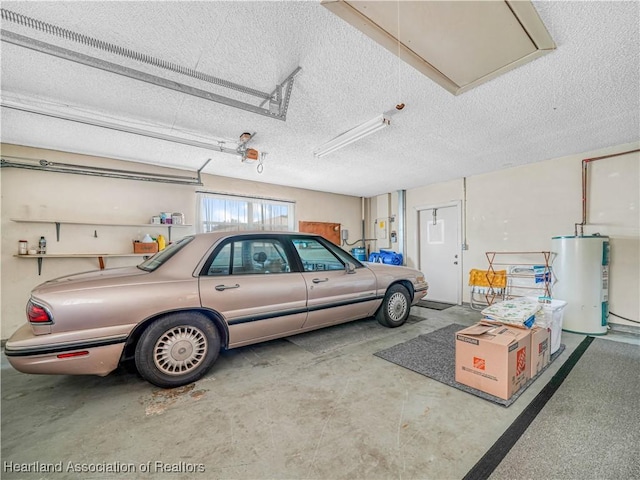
<point>80,281</point>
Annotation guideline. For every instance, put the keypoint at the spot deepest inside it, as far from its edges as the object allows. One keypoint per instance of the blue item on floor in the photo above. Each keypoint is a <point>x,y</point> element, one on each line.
<point>386,256</point>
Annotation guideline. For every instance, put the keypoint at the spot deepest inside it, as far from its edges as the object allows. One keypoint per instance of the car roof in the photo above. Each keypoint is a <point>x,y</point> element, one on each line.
<point>213,236</point>
<point>203,241</point>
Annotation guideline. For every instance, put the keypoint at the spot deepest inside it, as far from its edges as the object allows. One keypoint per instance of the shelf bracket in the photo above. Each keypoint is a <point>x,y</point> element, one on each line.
<point>39,265</point>
<point>58,231</point>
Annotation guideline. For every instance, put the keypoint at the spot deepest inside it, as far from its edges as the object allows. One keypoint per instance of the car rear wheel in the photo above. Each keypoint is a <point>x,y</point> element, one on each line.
<point>395,307</point>
<point>177,349</point>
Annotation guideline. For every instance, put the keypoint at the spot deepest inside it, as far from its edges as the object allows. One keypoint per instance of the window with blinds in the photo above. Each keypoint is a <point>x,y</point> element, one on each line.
<point>220,213</point>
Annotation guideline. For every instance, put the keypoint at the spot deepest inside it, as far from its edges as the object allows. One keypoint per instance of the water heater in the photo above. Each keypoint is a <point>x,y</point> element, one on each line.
<point>581,269</point>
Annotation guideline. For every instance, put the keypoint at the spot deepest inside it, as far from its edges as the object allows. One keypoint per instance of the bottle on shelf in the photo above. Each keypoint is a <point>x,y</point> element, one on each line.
<point>42,246</point>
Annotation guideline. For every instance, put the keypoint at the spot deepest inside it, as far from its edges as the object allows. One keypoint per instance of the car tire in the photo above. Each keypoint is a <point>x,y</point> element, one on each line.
<point>395,307</point>
<point>177,349</point>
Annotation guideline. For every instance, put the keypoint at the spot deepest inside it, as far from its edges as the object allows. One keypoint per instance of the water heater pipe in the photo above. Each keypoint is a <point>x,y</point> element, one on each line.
<point>585,164</point>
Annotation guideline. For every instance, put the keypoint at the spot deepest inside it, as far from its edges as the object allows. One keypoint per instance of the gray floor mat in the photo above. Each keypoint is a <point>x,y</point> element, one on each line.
<point>333,338</point>
<point>433,355</point>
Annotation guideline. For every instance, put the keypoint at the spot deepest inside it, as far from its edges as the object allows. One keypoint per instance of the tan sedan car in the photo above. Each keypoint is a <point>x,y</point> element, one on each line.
<point>174,312</point>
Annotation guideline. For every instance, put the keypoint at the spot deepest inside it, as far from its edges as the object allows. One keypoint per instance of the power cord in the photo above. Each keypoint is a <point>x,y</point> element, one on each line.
<point>624,318</point>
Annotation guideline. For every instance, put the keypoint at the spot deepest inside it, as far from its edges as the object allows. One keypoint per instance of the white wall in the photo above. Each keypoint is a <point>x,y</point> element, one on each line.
<point>515,209</point>
<point>521,209</point>
<point>35,195</point>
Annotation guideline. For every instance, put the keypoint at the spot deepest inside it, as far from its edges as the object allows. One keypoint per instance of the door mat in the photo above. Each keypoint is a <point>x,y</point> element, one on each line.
<point>333,338</point>
<point>434,355</point>
<point>434,305</point>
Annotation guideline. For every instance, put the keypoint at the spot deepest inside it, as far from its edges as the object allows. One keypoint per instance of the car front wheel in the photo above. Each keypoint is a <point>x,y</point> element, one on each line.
<point>395,307</point>
<point>177,349</point>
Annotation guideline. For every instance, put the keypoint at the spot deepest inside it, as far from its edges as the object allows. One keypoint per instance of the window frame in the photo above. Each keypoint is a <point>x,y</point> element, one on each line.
<point>287,247</point>
<point>286,240</point>
<point>249,204</point>
<point>342,255</point>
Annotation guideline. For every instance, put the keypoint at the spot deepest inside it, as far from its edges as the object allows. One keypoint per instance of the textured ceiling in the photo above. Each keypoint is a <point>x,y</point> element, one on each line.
<point>583,96</point>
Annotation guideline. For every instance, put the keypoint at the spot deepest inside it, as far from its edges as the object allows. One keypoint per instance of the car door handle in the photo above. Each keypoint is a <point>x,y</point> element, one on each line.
<point>320,280</point>
<point>220,288</point>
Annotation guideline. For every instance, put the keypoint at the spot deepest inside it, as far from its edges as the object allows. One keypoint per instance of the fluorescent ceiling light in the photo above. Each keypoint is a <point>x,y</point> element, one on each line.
<point>352,135</point>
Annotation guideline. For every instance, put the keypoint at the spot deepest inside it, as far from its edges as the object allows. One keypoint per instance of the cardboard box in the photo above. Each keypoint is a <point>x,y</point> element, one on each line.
<point>140,247</point>
<point>493,358</point>
<point>540,349</point>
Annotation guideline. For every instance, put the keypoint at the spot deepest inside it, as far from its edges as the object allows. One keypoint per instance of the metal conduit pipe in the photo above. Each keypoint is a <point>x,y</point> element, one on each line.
<point>363,224</point>
<point>402,201</point>
<point>47,166</point>
<point>585,164</point>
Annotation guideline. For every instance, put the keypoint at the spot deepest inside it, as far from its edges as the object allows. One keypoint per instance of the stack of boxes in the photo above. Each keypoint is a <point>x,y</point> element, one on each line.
<point>500,359</point>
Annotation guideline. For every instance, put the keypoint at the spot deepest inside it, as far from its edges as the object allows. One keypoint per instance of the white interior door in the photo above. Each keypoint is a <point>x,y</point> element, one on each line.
<point>440,252</point>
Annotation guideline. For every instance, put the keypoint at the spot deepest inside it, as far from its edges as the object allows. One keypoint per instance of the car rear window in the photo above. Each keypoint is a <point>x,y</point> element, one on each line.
<point>159,258</point>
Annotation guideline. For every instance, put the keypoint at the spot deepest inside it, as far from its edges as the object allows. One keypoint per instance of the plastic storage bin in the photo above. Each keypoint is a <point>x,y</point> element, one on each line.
<point>550,316</point>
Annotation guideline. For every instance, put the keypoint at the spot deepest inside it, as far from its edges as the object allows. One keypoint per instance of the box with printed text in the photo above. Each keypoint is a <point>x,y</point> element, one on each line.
<point>540,349</point>
<point>493,358</point>
<point>141,247</point>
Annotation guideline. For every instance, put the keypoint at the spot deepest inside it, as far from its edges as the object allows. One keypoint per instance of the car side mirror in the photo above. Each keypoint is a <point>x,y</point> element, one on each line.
<point>350,267</point>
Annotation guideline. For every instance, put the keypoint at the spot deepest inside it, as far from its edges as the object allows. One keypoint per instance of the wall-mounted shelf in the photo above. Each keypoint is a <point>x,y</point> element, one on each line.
<point>58,223</point>
<point>99,256</point>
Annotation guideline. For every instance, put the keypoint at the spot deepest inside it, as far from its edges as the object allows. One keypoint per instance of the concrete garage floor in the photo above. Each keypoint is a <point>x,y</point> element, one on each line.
<point>273,410</point>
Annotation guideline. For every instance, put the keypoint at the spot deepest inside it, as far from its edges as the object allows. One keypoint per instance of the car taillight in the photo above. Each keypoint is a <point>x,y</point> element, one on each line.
<point>37,314</point>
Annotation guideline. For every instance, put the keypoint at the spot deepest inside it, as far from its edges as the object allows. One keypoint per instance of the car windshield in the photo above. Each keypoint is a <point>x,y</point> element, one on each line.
<point>159,258</point>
